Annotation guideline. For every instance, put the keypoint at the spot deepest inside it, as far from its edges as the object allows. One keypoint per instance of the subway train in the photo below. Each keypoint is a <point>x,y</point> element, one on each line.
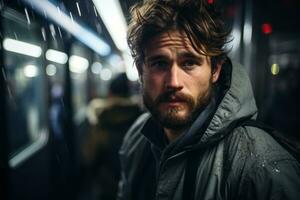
<point>58,56</point>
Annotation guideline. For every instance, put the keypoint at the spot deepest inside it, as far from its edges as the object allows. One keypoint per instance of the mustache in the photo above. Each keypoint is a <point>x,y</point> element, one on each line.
<point>174,96</point>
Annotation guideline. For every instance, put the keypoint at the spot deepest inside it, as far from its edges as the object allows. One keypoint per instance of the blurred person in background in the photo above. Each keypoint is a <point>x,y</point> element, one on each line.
<point>112,118</point>
<point>192,143</point>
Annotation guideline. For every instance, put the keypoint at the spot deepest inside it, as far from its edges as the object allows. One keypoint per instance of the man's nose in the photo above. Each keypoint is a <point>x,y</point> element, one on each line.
<point>173,78</point>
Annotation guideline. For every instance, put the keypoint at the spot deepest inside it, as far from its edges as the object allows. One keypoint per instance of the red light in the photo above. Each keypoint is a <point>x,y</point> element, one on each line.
<point>266,28</point>
<point>210,1</point>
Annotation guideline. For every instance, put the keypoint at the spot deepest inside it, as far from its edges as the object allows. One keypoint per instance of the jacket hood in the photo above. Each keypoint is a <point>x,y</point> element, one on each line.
<point>237,103</point>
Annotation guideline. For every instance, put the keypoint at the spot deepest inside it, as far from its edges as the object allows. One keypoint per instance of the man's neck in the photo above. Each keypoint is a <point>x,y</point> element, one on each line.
<point>172,134</point>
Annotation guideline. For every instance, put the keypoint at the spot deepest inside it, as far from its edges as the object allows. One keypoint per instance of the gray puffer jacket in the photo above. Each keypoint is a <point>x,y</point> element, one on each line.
<point>246,164</point>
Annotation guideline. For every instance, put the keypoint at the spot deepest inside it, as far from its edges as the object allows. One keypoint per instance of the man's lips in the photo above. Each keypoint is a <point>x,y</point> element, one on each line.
<point>173,99</point>
<point>173,102</point>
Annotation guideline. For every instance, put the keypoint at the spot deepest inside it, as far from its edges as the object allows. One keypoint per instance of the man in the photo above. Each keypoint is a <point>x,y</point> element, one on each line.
<point>196,100</point>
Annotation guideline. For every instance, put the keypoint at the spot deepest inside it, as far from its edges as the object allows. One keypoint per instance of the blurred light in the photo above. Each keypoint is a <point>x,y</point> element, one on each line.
<point>96,67</point>
<point>84,35</point>
<point>57,91</point>
<point>78,64</point>
<point>266,28</point>
<point>275,69</point>
<point>105,74</point>
<point>236,35</point>
<point>22,47</point>
<point>210,1</point>
<point>31,71</point>
<point>51,70</point>
<point>247,33</point>
<point>284,59</point>
<point>56,56</point>
<point>131,71</point>
<point>113,18</point>
<point>114,60</point>
<point>117,63</point>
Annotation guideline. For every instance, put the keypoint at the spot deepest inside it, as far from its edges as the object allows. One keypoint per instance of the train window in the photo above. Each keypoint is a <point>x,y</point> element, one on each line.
<point>56,72</point>
<point>25,79</point>
<point>78,65</point>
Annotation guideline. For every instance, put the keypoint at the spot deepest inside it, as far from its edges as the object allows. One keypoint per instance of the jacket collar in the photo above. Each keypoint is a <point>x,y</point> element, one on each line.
<point>153,131</point>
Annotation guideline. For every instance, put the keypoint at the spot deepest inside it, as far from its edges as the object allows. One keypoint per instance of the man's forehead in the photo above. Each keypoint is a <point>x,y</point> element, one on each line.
<point>172,39</point>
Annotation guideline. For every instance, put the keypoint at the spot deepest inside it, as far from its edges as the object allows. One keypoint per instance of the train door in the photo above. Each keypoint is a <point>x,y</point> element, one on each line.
<point>25,104</point>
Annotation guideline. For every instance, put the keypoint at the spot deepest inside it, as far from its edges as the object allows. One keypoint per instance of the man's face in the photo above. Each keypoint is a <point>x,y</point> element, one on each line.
<point>176,80</point>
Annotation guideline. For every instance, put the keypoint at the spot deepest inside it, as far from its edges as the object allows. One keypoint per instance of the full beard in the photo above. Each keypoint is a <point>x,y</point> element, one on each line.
<point>171,118</point>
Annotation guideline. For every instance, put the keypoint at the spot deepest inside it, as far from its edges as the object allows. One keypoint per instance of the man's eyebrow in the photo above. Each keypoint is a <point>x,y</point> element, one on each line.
<point>155,57</point>
<point>190,55</point>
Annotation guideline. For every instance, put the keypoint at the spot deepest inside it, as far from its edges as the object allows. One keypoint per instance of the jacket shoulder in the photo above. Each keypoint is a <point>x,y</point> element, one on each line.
<point>130,155</point>
<point>260,166</point>
<point>133,137</point>
<point>256,144</point>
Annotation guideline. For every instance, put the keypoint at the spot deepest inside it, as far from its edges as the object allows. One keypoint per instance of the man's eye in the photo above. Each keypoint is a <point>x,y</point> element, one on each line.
<point>189,64</point>
<point>160,64</point>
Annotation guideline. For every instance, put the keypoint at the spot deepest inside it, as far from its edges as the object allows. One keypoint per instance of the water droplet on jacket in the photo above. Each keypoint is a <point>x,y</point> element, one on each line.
<point>277,170</point>
<point>226,114</point>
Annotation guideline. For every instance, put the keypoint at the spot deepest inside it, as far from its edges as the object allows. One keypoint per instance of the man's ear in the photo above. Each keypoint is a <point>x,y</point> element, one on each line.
<point>216,72</point>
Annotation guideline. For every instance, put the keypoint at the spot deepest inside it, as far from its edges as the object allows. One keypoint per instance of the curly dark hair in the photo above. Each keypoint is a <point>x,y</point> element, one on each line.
<point>199,20</point>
